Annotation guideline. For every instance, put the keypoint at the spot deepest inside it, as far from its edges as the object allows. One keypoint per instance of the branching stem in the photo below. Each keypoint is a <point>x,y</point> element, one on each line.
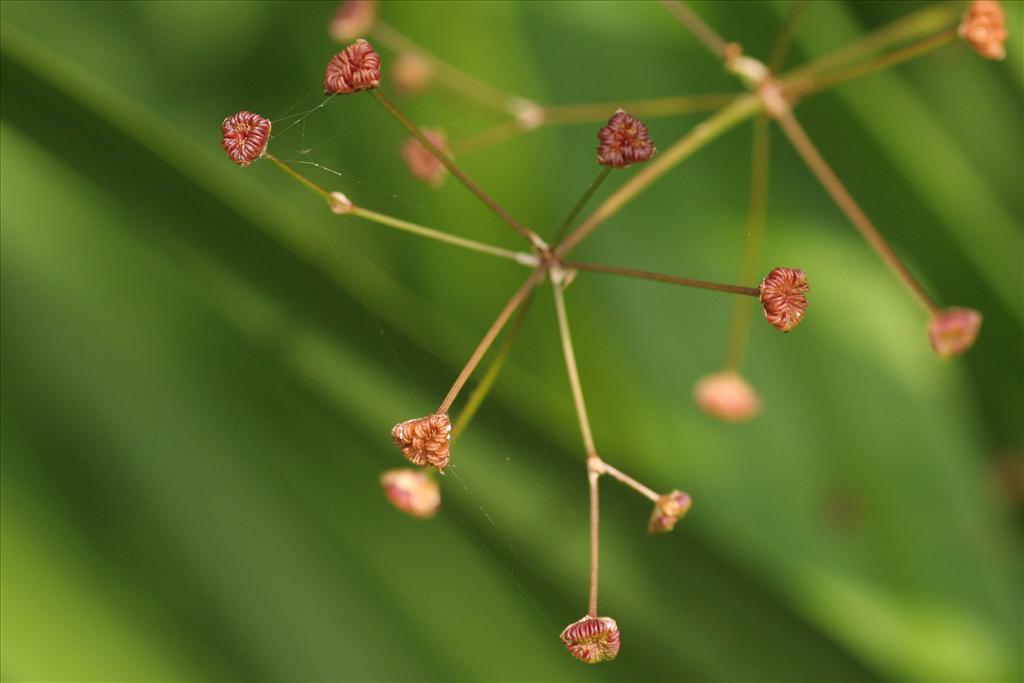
<point>605,468</point>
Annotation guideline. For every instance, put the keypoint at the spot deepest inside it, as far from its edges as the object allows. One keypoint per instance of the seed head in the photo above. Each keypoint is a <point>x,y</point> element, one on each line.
<point>355,68</point>
<point>425,440</point>
<point>782,296</point>
<point>954,330</point>
<point>624,141</point>
<point>411,73</point>
<point>669,509</point>
<point>244,137</point>
<point>414,492</point>
<point>353,19</point>
<point>422,164</point>
<point>592,639</point>
<point>727,396</point>
<point>984,28</point>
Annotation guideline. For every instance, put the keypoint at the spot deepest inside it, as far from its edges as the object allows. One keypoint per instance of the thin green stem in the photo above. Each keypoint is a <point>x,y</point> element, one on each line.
<point>656,106</point>
<point>306,182</point>
<point>786,34</point>
<point>520,257</point>
<point>740,109</point>
<point>629,481</point>
<point>587,194</point>
<point>796,89</point>
<point>660,277</point>
<point>513,303</point>
<point>470,184</point>
<point>830,181</point>
<point>570,364</point>
<point>756,209</point>
<point>688,18</point>
<point>494,368</point>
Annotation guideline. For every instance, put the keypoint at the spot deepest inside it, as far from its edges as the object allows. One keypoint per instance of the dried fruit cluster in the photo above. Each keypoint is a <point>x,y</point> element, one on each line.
<point>624,141</point>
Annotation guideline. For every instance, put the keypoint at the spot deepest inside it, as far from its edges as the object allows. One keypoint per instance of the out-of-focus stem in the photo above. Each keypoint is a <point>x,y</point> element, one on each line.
<point>629,481</point>
<point>688,18</point>
<point>784,39</point>
<point>535,277</point>
<point>802,142</point>
<point>756,210</point>
<point>653,107</point>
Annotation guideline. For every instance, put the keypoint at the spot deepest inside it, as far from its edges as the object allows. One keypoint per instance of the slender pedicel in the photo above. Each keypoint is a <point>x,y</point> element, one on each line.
<point>688,18</point>
<point>602,175</point>
<point>659,277</point>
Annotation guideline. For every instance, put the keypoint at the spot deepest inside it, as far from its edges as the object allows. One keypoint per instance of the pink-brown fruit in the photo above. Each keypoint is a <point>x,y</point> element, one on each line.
<point>355,68</point>
<point>244,136</point>
<point>624,141</point>
<point>984,27</point>
<point>422,164</point>
<point>414,492</point>
<point>425,440</point>
<point>410,73</point>
<point>953,331</point>
<point>727,396</point>
<point>782,296</point>
<point>353,19</point>
<point>592,639</point>
<point>669,509</point>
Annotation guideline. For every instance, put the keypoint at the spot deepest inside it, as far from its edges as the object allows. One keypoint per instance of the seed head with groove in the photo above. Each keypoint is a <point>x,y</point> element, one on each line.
<point>592,639</point>
<point>355,68</point>
<point>425,440</point>
<point>783,297</point>
<point>624,141</point>
<point>244,137</point>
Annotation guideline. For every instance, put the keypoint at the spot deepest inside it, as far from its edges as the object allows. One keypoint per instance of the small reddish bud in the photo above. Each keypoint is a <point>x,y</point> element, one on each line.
<point>425,440</point>
<point>669,509</point>
<point>244,137</point>
<point>355,68</point>
<point>422,164</point>
<point>984,27</point>
<point>782,296</point>
<point>353,19</point>
<point>953,331</point>
<point>592,639</point>
<point>727,396</point>
<point>414,492</point>
<point>411,73</point>
<point>624,141</point>
<point>339,203</point>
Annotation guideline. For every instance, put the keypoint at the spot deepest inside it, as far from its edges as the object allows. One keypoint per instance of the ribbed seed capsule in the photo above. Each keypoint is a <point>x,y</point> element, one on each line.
<point>984,28</point>
<point>355,68</point>
<point>592,639</point>
<point>669,509</point>
<point>782,296</point>
<point>244,136</point>
<point>624,141</point>
<point>425,440</point>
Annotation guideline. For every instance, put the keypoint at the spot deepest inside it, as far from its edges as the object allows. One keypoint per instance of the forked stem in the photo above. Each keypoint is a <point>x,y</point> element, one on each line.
<point>452,167</point>
<point>535,277</point>
<point>661,277</point>
<point>605,468</point>
<point>802,142</point>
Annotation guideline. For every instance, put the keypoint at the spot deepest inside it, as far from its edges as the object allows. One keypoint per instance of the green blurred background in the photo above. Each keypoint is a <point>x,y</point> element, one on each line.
<point>201,364</point>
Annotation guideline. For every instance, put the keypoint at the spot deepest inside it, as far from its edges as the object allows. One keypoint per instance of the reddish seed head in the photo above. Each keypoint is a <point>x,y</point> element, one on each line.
<point>414,492</point>
<point>353,19</point>
<point>421,162</point>
<point>592,639</point>
<point>954,330</point>
<point>425,440</point>
<point>355,68</point>
<point>244,137</point>
<point>669,509</point>
<point>727,396</point>
<point>984,28</point>
<point>782,295</point>
<point>624,141</point>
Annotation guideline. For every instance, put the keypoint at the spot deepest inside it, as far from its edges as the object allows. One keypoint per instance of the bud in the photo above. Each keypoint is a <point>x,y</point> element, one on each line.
<point>339,203</point>
<point>782,295</point>
<point>411,73</point>
<point>422,164</point>
<point>592,639</point>
<point>529,114</point>
<point>624,141</point>
<point>355,68</point>
<point>414,492</point>
<point>669,509</point>
<point>984,28</point>
<point>353,19</point>
<point>244,136</point>
<point>727,396</point>
<point>425,440</point>
<point>953,331</point>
